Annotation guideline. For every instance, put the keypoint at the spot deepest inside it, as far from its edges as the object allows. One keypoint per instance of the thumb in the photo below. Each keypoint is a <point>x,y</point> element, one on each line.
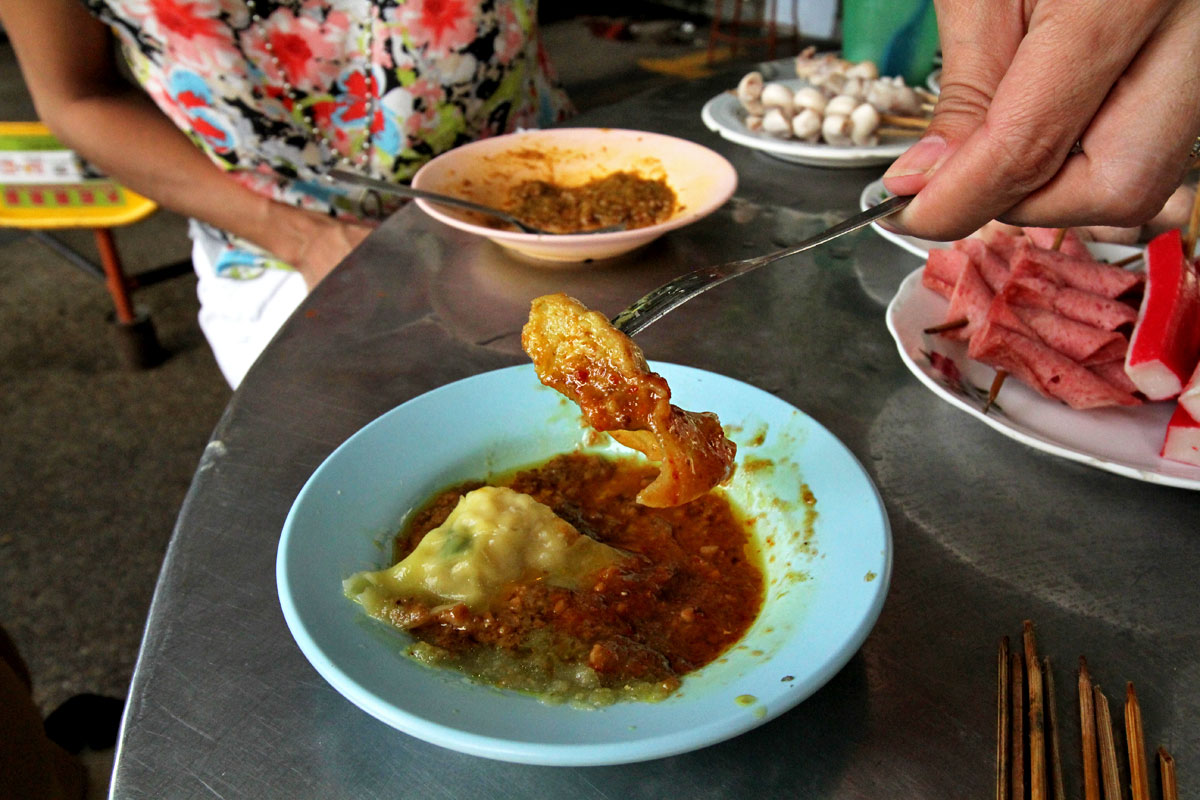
<point>978,43</point>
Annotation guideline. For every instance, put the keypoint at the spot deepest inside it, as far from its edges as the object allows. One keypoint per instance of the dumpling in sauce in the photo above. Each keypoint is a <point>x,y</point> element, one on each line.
<point>579,353</point>
<point>495,537</point>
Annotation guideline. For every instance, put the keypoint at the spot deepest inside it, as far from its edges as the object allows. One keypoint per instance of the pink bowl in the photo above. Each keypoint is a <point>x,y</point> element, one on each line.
<point>483,171</point>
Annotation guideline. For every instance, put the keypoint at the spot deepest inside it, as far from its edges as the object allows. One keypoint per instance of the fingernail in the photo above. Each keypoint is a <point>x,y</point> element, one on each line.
<point>918,159</point>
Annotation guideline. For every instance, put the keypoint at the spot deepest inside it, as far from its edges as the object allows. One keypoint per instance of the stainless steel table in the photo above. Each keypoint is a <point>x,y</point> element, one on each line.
<point>987,532</point>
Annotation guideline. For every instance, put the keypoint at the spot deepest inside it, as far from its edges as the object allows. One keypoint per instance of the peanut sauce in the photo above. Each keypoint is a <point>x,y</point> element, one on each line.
<point>689,589</point>
<point>618,198</point>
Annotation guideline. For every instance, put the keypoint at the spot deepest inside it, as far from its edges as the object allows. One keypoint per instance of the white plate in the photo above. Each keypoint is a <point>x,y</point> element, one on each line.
<point>724,115</point>
<point>823,596</point>
<point>1126,441</point>
<point>872,195</point>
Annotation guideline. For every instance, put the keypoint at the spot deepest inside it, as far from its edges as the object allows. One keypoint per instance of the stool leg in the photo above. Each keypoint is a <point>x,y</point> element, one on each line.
<point>118,285</point>
<point>135,336</point>
<point>772,11</point>
<point>737,26</point>
<point>714,32</point>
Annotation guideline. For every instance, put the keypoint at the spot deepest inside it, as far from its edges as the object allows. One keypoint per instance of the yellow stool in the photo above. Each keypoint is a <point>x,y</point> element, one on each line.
<point>44,187</point>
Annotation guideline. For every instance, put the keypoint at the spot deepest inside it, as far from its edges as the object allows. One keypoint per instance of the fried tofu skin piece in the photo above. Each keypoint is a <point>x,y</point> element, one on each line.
<point>580,354</point>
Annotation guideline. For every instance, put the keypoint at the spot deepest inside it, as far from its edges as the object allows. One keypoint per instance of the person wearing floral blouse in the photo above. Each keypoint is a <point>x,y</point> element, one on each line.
<point>243,106</point>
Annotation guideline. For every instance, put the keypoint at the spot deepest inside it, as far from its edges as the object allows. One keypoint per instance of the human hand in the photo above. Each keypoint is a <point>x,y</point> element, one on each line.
<point>1175,214</point>
<point>1022,82</point>
<point>313,243</point>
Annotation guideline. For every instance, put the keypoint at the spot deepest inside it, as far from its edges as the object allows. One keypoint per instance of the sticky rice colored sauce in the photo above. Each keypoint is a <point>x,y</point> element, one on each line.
<point>617,198</point>
<point>691,587</point>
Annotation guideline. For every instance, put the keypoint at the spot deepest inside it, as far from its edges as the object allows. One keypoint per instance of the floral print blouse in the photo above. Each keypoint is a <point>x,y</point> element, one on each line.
<point>278,91</point>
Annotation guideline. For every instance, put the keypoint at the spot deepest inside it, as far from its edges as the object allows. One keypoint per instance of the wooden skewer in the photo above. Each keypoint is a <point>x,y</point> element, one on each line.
<point>997,382</point>
<point>1135,742</point>
<point>1127,260</point>
<point>897,132</point>
<point>1189,238</point>
<point>1087,723</point>
<point>1108,750</point>
<point>1002,751</point>
<point>1037,729</point>
<point>1016,718</point>
<point>1166,771</point>
<point>1058,792</point>
<point>900,121</point>
<point>1058,239</point>
<point>947,326</point>
<point>925,94</point>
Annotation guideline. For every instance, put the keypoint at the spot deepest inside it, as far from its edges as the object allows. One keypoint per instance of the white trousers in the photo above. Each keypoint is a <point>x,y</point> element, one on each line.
<point>240,316</point>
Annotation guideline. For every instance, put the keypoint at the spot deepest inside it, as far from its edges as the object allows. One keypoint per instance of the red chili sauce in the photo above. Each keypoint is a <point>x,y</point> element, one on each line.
<point>689,590</point>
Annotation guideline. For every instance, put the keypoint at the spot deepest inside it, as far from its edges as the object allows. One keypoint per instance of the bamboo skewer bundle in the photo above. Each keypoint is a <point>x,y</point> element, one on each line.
<point>1026,717</point>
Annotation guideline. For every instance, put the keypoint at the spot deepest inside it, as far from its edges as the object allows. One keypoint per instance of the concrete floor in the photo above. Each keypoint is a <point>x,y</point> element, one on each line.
<point>95,459</point>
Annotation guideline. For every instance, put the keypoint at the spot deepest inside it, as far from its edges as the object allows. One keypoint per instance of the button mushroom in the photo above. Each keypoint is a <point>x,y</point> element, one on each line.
<point>749,90</point>
<point>856,88</point>
<point>841,105</point>
<point>776,123</point>
<point>809,97</point>
<point>776,95</point>
<point>835,130</point>
<point>806,125</point>
<point>863,69</point>
<point>864,121</point>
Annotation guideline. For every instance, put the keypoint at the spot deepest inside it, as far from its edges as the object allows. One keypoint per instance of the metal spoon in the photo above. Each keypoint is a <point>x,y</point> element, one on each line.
<point>403,190</point>
<point>671,295</point>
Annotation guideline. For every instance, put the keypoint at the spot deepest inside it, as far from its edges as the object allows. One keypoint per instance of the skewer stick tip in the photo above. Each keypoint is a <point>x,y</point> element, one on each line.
<point>993,392</point>
<point>1166,771</point>
<point>1135,743</point>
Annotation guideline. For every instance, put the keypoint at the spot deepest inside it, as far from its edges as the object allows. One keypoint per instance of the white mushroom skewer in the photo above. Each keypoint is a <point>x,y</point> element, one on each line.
<point>776,95</point>
<point>835,130</point>
<point>776,123</point>
<point>806,125</point>
<point>749,92</point>
<point>843,104</point>
<point>864,122</point>
<point>867,70</point>
<point>809,97</point>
